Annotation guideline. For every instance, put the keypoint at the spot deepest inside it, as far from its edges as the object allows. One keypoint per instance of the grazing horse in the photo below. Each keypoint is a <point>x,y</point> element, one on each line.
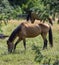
<point>28,30</point>
<point>33,16</point>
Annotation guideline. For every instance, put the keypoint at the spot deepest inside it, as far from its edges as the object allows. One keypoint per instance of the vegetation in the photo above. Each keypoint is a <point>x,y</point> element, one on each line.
<point>16,7</point>
<point>34,55</point>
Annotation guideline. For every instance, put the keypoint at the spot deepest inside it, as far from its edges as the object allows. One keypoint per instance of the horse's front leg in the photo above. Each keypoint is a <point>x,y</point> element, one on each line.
<point>16,44</point>
<point>24,42</point>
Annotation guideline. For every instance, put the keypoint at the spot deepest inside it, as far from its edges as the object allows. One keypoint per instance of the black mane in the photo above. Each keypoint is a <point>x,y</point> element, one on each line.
<point>14,33</point>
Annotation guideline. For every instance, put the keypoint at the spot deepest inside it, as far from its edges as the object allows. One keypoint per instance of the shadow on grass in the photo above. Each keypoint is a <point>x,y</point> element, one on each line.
<point>16,52</point>
<point>38,54</point>
<point>39,57</point>
<point>47,62</point>
<point>19,52</point>
<point>56,61</point>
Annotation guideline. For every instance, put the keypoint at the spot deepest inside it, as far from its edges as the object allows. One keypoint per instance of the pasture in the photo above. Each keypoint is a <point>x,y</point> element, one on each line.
<point>34,55</point>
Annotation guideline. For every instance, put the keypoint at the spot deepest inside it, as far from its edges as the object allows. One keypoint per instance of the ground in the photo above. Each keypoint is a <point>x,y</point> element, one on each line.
<point>34,55</point>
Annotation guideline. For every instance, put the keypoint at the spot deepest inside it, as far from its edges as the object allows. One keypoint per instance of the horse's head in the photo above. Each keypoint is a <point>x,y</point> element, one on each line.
<point>10,46</point>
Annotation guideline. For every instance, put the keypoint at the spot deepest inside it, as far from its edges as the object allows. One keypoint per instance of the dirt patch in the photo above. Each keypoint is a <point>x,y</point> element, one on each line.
<point>16,21</point>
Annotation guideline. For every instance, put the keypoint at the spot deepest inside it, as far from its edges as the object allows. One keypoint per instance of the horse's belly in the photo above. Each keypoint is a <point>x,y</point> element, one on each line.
<point>32,35</point>
<point>30,31</point>
<point>33,32</point>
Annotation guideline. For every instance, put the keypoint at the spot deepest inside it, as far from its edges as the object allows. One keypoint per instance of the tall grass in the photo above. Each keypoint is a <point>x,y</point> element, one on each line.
<point>34,55</point>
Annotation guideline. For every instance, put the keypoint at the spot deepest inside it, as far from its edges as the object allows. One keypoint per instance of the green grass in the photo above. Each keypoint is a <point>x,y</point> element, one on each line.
<point>34,55</point>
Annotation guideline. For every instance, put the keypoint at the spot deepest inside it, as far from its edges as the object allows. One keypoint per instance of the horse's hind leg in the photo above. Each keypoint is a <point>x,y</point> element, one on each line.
<point>24,42</point>
<point>45,40</point>
<point>45,44</point>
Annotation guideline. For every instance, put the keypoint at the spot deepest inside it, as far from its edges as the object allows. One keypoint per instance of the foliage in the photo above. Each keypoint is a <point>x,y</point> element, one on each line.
<point>6,10</point>
<point>10,9</point>
<point>16,7</point>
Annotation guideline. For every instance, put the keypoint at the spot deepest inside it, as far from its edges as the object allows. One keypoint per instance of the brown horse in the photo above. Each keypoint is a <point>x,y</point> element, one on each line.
<point>33,16</point>
<point>28,30</point>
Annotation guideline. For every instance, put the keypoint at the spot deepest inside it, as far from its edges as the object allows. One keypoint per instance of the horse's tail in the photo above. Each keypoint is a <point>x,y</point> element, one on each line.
<point>50,37</point>
<point>50,20</point>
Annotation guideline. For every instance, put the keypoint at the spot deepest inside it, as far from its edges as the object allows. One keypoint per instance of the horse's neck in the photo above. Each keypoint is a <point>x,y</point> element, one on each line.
<point>12,37</point>
<point>14,33</point>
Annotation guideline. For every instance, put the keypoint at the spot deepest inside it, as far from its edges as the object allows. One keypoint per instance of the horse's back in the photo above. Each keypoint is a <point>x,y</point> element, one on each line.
<point>44,27</point>
<point>30,30</point>
<point>33,30</point>
<point>35,26</point>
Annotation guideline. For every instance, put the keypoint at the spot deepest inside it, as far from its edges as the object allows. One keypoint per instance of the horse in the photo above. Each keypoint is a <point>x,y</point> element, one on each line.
<point>29,30</point>
<point>32,16</point>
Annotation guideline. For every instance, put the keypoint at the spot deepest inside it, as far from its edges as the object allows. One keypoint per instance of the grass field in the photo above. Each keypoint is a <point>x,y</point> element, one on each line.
<point>34,55</point>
